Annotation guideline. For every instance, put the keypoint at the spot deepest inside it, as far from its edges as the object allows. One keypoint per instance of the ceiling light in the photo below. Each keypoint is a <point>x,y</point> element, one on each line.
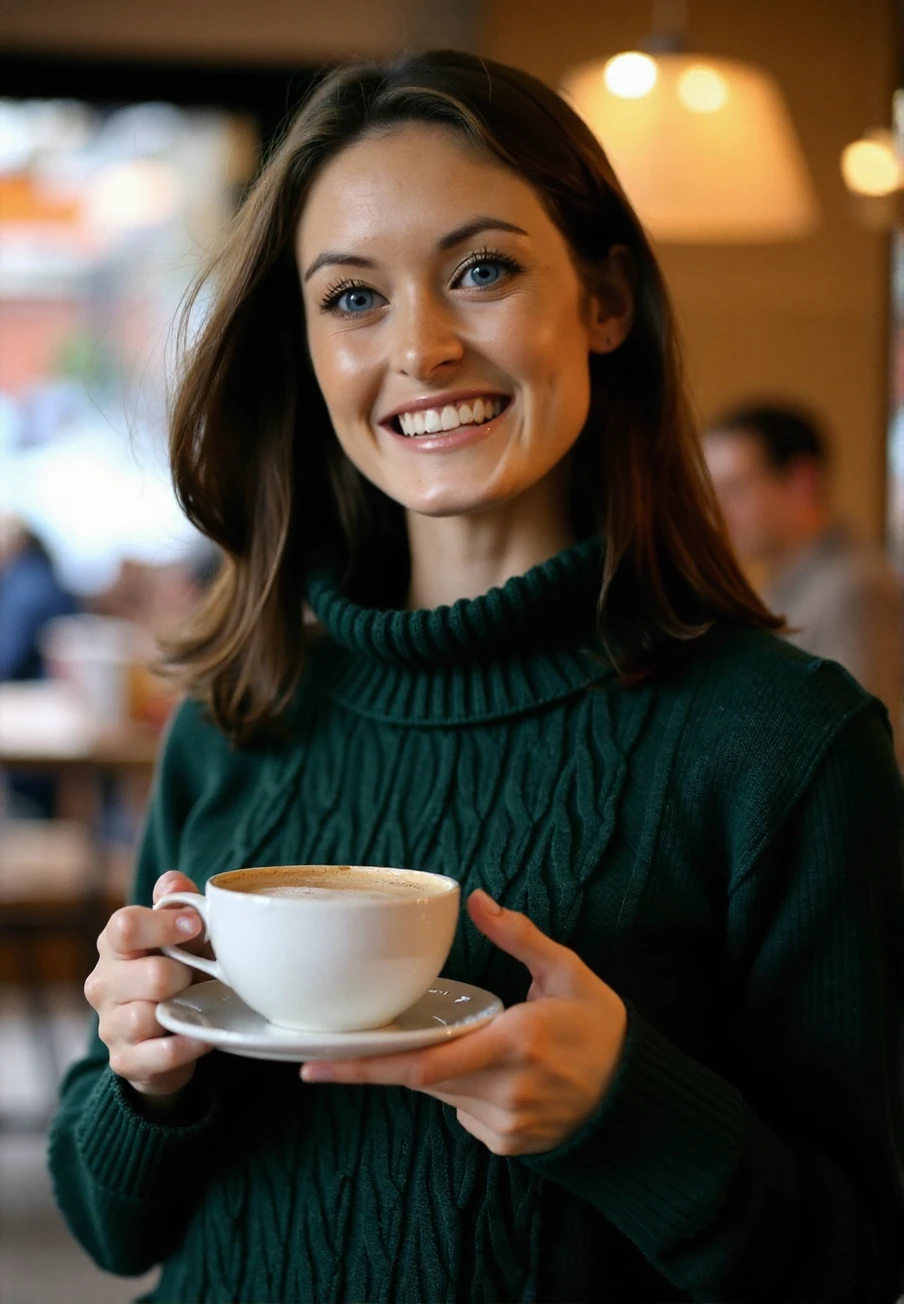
<point>630,75</point>
<point>870,165</point>
<point>704,147</point>
<point>702,90</point>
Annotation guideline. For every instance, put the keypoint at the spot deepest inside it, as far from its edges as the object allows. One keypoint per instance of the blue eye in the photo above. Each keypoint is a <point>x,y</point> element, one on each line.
<point>485,273</point>
<point>356,300</point>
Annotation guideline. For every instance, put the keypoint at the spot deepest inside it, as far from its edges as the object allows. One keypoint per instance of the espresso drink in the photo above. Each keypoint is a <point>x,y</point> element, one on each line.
<point>330,881</point>
<point>324,948</point>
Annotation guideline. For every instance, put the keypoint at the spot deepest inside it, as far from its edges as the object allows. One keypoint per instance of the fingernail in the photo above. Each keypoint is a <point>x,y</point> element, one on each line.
<point>316,1073</point>
<point>188,924</point>
<point>490,906</point>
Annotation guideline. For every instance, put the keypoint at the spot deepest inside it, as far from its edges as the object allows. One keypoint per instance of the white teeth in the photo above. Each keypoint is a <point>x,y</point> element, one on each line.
<point>429,421</point>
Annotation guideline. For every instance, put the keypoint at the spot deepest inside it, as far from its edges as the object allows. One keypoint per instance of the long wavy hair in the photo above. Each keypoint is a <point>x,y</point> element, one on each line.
<point>257,466</point>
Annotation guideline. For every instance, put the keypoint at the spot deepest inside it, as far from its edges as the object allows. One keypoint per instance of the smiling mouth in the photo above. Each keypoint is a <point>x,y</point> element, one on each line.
<point>441,421</point>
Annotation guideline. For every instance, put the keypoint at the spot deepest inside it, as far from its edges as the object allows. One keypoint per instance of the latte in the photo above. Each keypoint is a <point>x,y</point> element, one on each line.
<point>324,948</point>
<point>330,881</point>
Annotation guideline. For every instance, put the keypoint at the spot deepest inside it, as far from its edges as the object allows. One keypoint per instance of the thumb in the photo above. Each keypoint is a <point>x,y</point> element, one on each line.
<point>172,881</point>
<point>515,934</point>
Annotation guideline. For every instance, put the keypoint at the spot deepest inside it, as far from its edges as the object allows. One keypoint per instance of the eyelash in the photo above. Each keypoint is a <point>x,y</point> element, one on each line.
<point>490,256</point>
<point>336,291</point>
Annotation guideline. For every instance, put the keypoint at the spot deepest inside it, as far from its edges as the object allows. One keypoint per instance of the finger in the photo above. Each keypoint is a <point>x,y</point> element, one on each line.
<point>555,965</point>
<point>498,1143</point>
<point>148,978</point>
<point>130,1023</point>
<point>476,1093</point>
<point>156,1056</point>
<point>417,1068</point>
<point>172,881</point>
<point>514,933</point>
<point>134,930</point>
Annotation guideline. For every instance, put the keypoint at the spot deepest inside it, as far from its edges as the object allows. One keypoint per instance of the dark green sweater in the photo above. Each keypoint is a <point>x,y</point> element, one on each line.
<point>722,845</point>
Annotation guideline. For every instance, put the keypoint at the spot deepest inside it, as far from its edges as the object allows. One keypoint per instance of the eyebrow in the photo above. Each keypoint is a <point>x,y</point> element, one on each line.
<point>332,257</point>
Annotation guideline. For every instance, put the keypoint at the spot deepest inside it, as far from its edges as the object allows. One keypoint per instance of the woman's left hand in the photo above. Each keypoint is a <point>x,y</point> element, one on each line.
<point>528,1080</point>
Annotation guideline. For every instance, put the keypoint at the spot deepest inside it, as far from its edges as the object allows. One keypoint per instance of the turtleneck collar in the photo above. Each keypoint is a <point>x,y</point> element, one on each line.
<point>507,652</point>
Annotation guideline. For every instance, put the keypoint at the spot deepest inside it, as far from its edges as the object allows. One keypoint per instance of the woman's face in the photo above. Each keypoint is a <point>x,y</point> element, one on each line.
<point>446,322</point>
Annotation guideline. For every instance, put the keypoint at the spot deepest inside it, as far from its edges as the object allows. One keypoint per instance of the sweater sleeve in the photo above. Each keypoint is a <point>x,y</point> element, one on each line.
<point>124,1182</point>
<point>782,1184</point>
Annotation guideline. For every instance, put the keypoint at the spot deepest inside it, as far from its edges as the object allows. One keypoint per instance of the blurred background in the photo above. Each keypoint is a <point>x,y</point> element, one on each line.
<point>760,141</point>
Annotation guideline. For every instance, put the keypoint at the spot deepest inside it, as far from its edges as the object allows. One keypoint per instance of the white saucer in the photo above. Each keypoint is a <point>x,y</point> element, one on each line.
<point>211,1012</point>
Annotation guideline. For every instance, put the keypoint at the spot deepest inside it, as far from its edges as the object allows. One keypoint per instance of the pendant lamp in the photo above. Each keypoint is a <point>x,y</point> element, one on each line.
<point>704,147</point>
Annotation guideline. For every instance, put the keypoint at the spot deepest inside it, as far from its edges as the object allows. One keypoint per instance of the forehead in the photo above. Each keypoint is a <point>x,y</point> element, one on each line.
<point>734,452</point>
<point>412,182</point>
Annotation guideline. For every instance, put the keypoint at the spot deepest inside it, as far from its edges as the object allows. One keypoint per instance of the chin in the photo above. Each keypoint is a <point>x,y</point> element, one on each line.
<point>451,502</point>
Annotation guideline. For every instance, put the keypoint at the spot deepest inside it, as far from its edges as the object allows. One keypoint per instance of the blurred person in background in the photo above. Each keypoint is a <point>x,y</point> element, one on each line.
<point>30,596</point>
<point>159,598</point>
<point>838,594</point>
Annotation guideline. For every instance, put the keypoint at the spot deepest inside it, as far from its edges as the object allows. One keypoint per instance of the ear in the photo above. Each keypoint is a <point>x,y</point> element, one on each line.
<point>611,301</point>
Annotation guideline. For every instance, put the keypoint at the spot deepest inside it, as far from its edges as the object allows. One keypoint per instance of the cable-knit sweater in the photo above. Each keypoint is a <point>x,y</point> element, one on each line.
<point>722,844</point>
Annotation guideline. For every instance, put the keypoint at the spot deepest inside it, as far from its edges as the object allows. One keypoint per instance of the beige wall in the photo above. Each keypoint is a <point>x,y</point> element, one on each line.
<point>807,319</point>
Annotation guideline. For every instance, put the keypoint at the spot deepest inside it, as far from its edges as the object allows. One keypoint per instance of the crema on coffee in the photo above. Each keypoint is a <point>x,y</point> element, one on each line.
<point>330,881</point>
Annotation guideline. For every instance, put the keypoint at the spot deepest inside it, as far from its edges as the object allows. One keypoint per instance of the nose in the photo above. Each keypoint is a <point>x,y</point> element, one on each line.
<point>424,338</point>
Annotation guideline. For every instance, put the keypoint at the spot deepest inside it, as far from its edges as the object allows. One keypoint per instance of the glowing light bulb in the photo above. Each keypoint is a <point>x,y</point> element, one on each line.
<point>870,167</point>
<point>630,75</point>
<point>702,89</point>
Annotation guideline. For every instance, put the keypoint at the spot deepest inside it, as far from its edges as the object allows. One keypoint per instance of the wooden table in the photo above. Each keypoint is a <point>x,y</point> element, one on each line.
<point>125,756</point>
<point>130,750</point>
<point>34,912</point>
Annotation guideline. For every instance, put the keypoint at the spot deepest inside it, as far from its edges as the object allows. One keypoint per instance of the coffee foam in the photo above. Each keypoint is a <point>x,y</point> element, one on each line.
<point>329,882</point>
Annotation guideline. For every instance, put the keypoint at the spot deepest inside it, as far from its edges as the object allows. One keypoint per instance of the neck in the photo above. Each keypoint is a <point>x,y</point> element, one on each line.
<point>455,557</point>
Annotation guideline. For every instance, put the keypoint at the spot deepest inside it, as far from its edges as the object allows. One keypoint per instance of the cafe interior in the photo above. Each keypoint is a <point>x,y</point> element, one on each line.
<point>761,142</point>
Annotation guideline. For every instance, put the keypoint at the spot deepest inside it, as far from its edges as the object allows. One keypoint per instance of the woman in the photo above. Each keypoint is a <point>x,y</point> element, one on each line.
<point>437,403</point>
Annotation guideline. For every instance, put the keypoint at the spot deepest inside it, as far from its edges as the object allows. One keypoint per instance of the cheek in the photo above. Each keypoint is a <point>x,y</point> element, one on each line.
<point>342,372</point>
<point>551,356</point>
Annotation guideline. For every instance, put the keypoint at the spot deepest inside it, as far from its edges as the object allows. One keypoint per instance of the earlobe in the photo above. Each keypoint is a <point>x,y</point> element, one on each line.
<point>612,301</point>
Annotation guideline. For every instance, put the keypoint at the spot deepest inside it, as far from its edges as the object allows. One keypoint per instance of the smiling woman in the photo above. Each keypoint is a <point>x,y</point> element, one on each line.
<point>479,617</point>
<point>359,285</point>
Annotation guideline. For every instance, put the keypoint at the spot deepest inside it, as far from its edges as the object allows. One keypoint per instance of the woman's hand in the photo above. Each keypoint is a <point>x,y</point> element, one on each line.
<point>128,981</point>
<point>526,1082</point>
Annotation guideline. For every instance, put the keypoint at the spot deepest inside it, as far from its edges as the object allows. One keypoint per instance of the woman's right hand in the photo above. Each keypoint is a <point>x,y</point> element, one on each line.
<point>128,981</point>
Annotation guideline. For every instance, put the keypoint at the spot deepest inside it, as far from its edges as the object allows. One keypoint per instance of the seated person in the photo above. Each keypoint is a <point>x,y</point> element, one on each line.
<point>30,596</point>
<point>838,594</point>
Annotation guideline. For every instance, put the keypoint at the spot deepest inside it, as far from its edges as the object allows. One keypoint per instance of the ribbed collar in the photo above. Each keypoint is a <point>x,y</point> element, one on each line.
<point>510,651</point>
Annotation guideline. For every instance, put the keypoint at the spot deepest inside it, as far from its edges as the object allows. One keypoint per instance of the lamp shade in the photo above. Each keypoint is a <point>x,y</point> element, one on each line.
<point>704,147</point>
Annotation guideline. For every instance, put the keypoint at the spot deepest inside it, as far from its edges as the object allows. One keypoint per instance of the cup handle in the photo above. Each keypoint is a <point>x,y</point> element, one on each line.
<point>197,902</point>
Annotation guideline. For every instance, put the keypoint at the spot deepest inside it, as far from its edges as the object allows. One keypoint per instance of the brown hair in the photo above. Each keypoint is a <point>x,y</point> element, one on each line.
<point>259,470</point>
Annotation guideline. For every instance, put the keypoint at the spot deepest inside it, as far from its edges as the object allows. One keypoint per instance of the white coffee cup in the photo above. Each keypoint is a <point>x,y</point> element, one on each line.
<point>324,948</point>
